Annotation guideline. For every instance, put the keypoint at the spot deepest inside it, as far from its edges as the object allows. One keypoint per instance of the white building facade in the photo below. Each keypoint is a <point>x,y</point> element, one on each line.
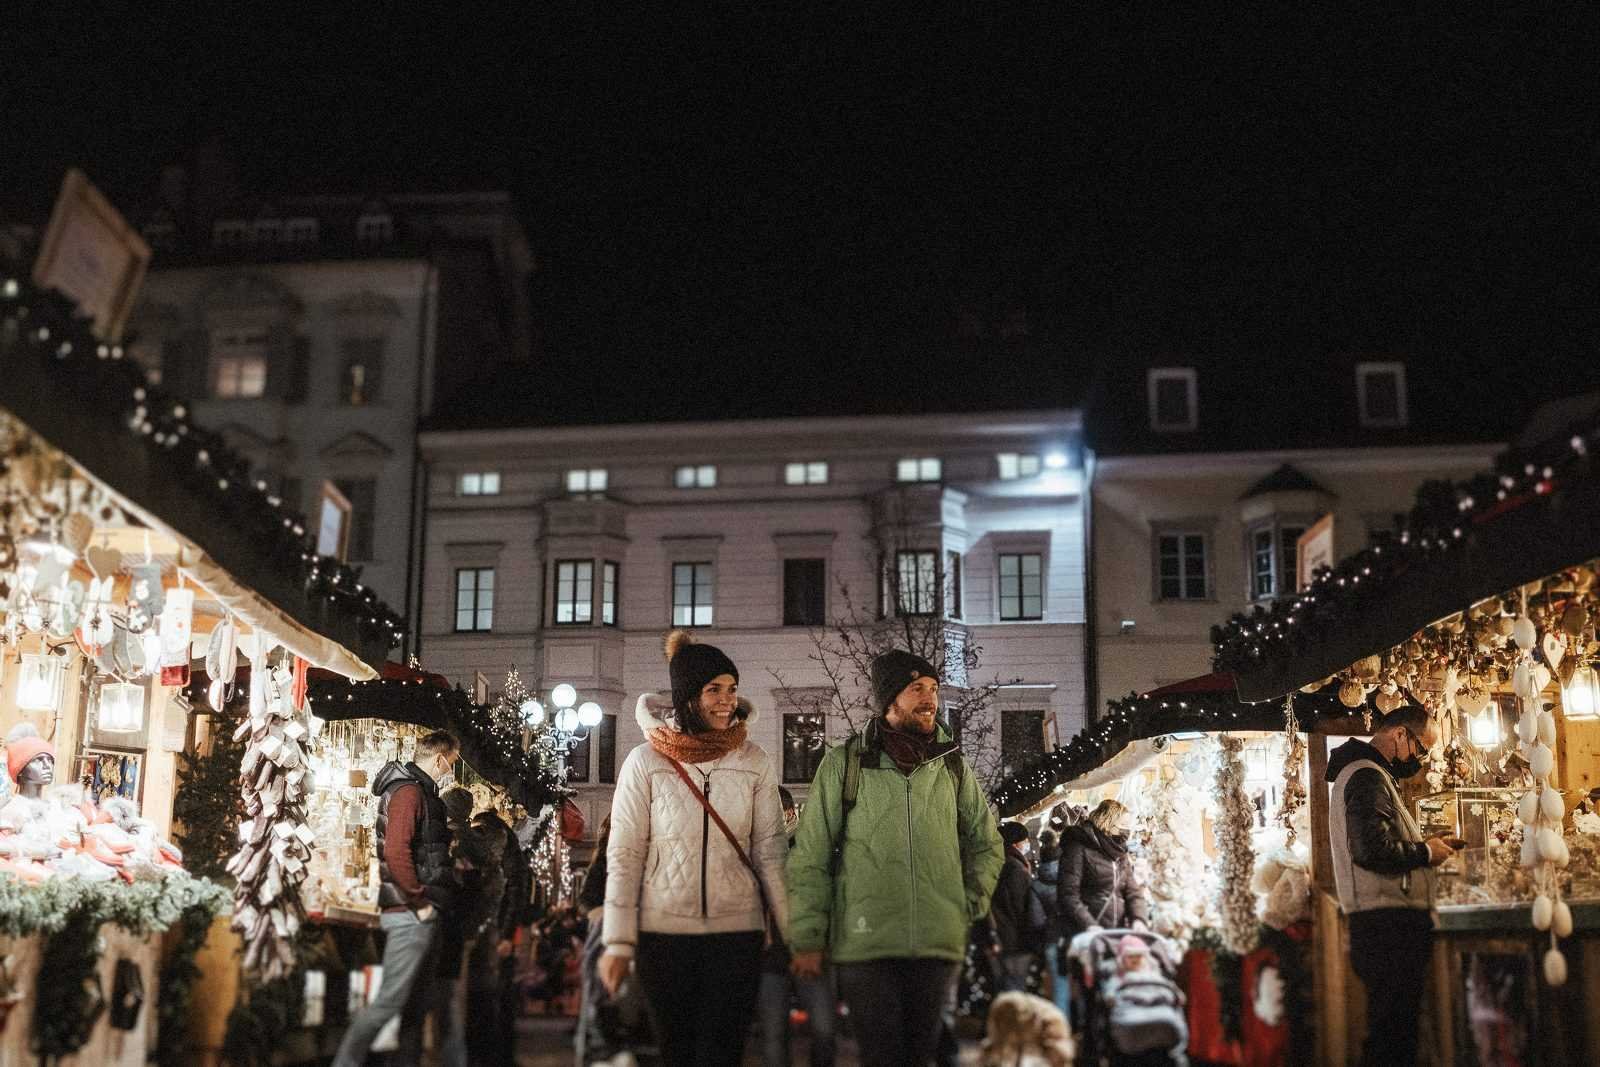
<point>568,553</point>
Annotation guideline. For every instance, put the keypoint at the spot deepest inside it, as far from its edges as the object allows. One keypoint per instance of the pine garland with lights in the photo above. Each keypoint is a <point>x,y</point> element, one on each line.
<point>207,805</point>
<point>1238,925</point>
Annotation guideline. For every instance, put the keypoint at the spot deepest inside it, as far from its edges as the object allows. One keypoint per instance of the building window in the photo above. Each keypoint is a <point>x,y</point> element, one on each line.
<point>1021,738</point>
<point>1181,566</point>
<point>266,231</point>
<point>362,370</point>
<point>805,592</point>
<point>474,600</point>
<point>479,483</point>
<point>952,574</point>
<point>814,473</point>
<point>374,228</point>
<point>239,364</point>
<point>608,594</point>
<point>1015,465</point>
<point>578,759</point>
<point>1274,560</point>
<point>363,496</point>
<point>574,592</point>
<point>607,771</point>
<point>1021,586</point>
<point>1381,394</point>
<point>703,476</point>
<point>588,480</point>
<point>919,469</point>
<point>917,578</point>
<point>300,231</point>
<point>692,589</point>
<point>230,232</point>
<point>805,741</point>
<point>1174,399</point>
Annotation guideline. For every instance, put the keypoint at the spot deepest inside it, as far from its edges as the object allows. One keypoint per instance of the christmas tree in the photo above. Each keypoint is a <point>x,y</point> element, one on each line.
<point>208,804</point>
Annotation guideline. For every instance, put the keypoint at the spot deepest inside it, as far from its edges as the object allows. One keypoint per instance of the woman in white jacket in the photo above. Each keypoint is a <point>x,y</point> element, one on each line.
<point>681,905</point>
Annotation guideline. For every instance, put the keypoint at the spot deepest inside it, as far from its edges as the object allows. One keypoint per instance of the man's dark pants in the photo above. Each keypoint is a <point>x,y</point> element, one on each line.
<point>1391,949</point>
<point>896,1007</point>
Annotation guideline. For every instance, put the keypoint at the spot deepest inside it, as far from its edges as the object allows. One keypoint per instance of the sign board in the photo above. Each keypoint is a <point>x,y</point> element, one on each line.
<point>92,255</point>
<point>1313,550</point>
<point>333,522</point>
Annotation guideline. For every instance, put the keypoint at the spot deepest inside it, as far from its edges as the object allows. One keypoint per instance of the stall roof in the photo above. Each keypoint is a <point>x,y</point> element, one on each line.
<point>1536,513</point>
<point>235,539</point>
<point>1209,703</point>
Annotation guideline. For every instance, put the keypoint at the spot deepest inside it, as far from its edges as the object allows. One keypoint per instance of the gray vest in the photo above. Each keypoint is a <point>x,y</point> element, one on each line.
<point>1359,888</point>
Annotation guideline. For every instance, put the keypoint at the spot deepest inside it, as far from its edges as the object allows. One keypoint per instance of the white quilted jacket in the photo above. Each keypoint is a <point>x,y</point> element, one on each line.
<point>669,869</point>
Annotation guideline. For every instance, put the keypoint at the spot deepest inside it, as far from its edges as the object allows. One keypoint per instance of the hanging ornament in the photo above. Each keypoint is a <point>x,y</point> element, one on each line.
<point>1236,861</point>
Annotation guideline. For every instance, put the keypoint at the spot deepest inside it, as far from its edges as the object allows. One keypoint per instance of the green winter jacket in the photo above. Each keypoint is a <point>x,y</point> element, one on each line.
<point>919,866</point>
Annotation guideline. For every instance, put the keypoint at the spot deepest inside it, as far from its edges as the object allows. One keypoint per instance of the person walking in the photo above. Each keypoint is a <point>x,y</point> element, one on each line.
<point>1046,883</point>
<point>816,995</point>
<point>694,879</point>
<point>1097,888</point>
<point>417,883</point>
<point>1382,871</point>
<point>1019,917</point>
<point>897,855</point>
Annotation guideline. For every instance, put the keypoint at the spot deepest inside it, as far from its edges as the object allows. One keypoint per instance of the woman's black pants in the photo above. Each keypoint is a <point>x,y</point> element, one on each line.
<point>701,989</point>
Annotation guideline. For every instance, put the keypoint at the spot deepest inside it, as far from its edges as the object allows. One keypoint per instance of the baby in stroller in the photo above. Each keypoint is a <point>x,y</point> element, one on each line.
<point>1128,1003</point>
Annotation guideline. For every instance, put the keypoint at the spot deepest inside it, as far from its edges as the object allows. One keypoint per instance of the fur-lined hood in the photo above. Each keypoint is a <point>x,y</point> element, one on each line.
<point>655,709</point>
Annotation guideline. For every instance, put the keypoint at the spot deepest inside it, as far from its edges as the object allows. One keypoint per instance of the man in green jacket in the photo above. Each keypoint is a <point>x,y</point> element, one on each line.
<point>887,886</point>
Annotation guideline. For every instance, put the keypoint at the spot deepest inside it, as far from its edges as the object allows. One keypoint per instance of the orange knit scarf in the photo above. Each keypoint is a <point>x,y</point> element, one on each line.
<point>697,748</point>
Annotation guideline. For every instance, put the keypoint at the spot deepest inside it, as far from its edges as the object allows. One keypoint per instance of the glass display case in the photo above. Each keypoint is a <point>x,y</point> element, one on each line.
<point>1483,817</point>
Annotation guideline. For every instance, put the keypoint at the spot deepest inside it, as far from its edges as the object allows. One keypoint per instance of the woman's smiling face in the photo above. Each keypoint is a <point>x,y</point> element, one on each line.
<point>719,699</point>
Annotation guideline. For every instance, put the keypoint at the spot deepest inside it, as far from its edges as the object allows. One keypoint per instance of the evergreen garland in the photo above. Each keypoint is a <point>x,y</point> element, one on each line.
<point>175,987</point>
<point>208,804</point>
<point>68,1000</point>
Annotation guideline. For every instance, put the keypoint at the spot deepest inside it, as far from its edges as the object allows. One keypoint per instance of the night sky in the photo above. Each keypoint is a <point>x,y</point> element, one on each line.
<point>768,212</point>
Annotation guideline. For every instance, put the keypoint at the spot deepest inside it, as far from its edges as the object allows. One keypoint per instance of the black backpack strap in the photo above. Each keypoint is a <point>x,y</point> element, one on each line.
<point>847,798</point>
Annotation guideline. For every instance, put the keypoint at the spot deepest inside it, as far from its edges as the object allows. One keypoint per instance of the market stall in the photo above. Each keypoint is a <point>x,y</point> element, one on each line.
<point>133,547</point>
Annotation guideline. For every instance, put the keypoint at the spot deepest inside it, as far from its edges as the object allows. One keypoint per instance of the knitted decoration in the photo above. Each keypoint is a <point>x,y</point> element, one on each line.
<point>1236,861</point>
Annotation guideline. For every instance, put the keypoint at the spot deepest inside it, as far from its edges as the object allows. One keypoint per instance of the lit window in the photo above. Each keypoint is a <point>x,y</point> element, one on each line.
<point>1274,560</point>
<point>591,480</point>
<point>1017,465</point>
<point>474,599</point>
<point>239,365</point>
<point>917,582</point>
<point>230,232</point>
<point>805,742</point>
<point>574,591</point>
<point>1181,566</point>
<point>1381,394</point>
<point>919,469</point>
<point>300,231</point>
<point>703,476</point>
<point>805,473</point>
<point>1174,399</point>
<point>479,483</point>
<point>375,228</point>
<point>608,594</point>
<point>362,370</point>
<point>363,496</point>
<point>692,591</point>
<point>266,231</point>
<point>1021,586</point>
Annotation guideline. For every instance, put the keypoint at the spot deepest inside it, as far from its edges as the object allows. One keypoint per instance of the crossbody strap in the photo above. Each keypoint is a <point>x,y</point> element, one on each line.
<point>744,857</point>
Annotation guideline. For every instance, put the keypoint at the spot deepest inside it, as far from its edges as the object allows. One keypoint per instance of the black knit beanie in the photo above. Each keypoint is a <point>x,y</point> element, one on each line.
<point>691,666</point>
<point>892,672</point>
<point>1013,833</point>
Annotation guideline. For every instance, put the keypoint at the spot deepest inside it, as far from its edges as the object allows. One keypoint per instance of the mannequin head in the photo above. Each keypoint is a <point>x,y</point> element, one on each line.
<point>36,774</point>
<point>30,760</point>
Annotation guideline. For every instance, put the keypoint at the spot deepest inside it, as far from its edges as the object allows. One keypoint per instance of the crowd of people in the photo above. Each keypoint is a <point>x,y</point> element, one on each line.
<point>714,905</point>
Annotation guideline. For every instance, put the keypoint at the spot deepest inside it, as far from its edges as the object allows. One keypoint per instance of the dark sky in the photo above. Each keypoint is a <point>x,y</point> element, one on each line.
<point>776,195</point>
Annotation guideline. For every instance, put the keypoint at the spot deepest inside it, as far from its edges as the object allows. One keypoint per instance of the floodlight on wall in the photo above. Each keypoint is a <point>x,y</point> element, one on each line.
<point>1580,698</point>
<point>121,708</point>
<point>39,681</point>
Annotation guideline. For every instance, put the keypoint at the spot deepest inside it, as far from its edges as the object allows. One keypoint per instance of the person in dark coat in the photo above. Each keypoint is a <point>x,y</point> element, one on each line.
<point>1097,887</point>
<point>1019,919</point>
<point>1046,880</point>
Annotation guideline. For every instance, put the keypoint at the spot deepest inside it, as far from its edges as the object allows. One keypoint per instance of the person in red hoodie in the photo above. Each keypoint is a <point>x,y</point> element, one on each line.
<point>417,882</point>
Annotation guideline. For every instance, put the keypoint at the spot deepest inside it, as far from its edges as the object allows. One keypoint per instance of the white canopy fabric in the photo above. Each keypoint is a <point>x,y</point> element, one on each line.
<point>1129,761</point>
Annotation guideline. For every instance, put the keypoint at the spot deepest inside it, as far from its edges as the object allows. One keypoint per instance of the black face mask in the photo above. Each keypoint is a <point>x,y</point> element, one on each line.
<point>1406,768</point>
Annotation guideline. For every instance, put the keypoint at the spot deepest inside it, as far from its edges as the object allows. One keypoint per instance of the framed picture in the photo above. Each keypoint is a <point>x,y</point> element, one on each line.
<point>333,522</point>
<point>112,774</point>
<point>92,255</point>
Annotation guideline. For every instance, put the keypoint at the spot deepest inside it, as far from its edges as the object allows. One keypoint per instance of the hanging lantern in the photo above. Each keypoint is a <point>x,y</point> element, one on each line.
<point>1484,730</point>
<point>1580,698</point>
<point>39,681</point>
<point>121,708</point>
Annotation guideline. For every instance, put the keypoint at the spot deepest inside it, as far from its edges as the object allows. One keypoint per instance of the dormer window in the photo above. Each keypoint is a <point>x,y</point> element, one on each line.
<point>1381,395</point>
<point>1174,399</point>
<point>375,228</point>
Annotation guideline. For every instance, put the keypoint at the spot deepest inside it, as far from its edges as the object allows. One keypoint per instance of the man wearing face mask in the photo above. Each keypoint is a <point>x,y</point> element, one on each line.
<point>417,882</point>
<point>1381,867</point>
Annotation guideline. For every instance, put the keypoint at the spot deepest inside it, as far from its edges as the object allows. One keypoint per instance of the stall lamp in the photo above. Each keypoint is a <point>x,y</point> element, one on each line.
<point>39,682</point>
<point>121,708</point>
<point>532,712</point>
<point>1580,698</point>
<point>1484,730</point>
<point>589,714</point>
<point>564,696</point>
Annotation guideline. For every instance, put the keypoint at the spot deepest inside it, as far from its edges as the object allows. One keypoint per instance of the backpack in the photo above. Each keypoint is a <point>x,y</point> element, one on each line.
<point>954,766</point>
<point>1146,1014</point>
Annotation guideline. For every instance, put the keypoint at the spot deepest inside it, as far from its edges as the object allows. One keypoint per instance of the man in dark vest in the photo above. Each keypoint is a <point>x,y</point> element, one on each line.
<point>417,882</point>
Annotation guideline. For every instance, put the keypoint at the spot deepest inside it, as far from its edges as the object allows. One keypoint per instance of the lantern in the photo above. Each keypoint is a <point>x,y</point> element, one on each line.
<point>121,708</point>
<point>39,681</point>
<point>1580,698</point>
<point>1483,731</point>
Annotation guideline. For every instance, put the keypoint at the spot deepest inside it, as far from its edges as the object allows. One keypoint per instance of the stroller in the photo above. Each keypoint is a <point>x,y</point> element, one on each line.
<point>1128,1018</point>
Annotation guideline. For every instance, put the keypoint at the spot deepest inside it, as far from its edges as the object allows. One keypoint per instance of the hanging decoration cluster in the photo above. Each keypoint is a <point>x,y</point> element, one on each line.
<point>1544,851</point>
<point>1236,860</point>
<point>1173,869</point>
<point>1294,758</point>
<point>275,840</point>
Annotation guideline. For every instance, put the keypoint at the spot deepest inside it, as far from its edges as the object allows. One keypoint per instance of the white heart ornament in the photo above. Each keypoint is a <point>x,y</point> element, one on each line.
<point>1541,675</point>
<point>1554,646</point>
